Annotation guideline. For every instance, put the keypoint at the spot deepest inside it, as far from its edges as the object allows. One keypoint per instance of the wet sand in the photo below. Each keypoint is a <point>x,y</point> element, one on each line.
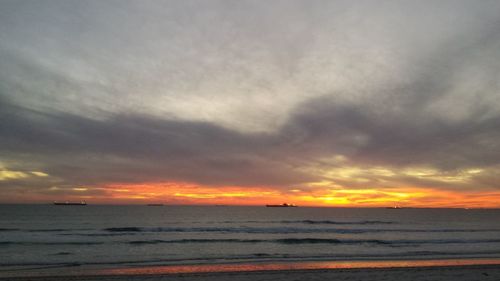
<point>456,270</point>
<point>452,273</point>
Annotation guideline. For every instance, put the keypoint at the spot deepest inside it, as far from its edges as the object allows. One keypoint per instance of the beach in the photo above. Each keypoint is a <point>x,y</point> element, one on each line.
<point>224,140</point>
<point>456,269</point>
<point>429,273</point>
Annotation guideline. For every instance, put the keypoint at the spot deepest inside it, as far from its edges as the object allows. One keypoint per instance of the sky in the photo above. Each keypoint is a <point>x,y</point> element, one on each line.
<point>317,103</point>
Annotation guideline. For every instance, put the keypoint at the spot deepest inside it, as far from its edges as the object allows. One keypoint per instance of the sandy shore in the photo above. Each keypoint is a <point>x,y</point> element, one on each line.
<point>452,273</point>
<point>453,270</point>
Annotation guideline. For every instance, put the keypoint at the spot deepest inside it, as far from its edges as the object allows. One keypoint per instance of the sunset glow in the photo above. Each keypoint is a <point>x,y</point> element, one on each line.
<point>327,103</point>
<point>192,194</point>
<point>300,137</point>
<point>371,187</point>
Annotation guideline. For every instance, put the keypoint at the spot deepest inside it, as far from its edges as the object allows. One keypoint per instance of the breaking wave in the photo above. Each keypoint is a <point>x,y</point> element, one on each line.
<point>280,230</point>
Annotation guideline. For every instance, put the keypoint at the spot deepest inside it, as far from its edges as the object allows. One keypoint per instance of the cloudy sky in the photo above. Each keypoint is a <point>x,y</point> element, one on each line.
<point>332,103</point>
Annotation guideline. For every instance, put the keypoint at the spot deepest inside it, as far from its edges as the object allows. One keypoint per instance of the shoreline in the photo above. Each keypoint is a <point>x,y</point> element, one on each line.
<point>355,270</point>
<point>301,265</point>
<point>433,273</point>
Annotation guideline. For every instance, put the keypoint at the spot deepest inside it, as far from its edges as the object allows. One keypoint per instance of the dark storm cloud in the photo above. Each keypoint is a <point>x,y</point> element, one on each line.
<point>393,140</point>
<point>132,148</point>
<point>129,148</point>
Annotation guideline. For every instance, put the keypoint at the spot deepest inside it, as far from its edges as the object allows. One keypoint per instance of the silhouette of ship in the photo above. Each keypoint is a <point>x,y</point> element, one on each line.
<point>283,205</point>
<point>155,204</point>
<point>67,203</point>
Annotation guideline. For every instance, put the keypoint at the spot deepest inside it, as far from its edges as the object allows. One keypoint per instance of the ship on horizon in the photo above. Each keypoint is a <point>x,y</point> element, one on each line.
<point>284,205</point>
<point>67,203</point>
<point>394,207</point>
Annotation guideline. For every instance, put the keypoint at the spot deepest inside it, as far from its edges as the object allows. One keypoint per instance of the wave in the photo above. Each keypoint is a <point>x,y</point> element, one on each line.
<point>125,229</point>
<point>275,230</point>
<point>25,243</point>
<point>45,229</point>
<point>179,229</point>
<point>99,234</point>
<point>284,241</point>
<point>335,222</point>
<point>8,229</point>
<point>384,242</point>
<point>62,254</point>
<point>289,241</point>
<point>310,222</point>
<point>291,222</point>
<point>130,230</point>
<point>50,230</point>
<point>158,241</point>
<point>266,257</point>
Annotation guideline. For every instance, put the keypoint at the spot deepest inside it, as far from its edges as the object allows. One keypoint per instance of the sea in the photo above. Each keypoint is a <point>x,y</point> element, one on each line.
<point>38,236</point>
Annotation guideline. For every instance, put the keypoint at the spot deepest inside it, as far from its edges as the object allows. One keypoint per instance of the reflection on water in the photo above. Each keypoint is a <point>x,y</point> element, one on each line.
<point>174,269</point>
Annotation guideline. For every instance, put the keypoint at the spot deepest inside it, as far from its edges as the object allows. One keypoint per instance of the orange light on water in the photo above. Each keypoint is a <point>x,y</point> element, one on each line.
<point>205,268</point>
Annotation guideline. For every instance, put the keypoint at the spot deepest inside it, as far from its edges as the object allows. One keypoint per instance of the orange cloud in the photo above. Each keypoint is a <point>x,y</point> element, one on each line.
<point>321,194</point>
<point>186,193</point>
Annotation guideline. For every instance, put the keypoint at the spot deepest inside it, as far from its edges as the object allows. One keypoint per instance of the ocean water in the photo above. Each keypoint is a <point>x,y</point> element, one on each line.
<point>34,236</point>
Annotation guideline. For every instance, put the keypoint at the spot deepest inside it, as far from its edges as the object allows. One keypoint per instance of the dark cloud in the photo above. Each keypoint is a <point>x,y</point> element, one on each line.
<point>133,148</point>
<point>138,148</point>
<point>439,110</point>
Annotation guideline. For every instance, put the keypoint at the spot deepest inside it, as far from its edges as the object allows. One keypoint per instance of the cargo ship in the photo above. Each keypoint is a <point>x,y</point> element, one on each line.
<point>67,203</point>
<point>284,205</point>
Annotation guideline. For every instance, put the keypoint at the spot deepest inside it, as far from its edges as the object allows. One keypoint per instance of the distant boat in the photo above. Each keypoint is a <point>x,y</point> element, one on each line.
<point>282,205</point>
<point>157,204</point>
<point>67,203</point>
<point>394,207</point>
